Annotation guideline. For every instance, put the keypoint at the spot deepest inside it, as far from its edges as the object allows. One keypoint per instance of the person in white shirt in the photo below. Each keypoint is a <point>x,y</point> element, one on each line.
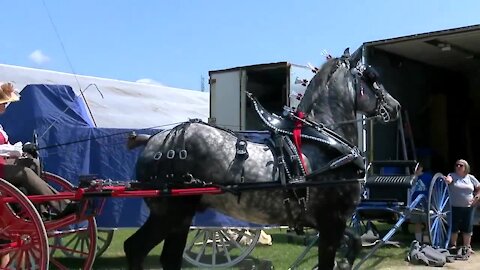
<point>17,161</point>
<point>10,170</point>
<point>464,189</point>
<point>23,172</point>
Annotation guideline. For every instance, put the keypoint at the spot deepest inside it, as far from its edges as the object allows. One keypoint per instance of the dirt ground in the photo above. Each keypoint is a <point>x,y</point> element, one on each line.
<point>472,264</point>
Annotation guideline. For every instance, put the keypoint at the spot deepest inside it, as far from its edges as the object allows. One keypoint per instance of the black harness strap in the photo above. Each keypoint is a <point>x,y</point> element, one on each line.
<point>282,168</point>
<point>295,159</point>
<point>333,165</point>
<point>302,203</point>
<point>281,144</point>
<point>288,208</point>
<point>175,140</point>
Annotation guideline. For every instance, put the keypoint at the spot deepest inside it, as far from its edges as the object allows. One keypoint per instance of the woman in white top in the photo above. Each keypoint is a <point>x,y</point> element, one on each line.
<point>19,172</point>
<point>23,173</point>
<point>464,191</point>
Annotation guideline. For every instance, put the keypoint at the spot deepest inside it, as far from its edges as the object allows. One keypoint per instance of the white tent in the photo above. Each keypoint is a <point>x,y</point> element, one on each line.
<point>124,104</point>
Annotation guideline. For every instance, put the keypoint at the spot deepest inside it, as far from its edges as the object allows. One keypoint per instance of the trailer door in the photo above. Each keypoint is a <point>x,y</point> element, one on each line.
<point>225,99</point>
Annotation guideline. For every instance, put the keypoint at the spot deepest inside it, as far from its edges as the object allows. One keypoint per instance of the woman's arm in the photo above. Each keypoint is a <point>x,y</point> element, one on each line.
<point>476,190</point>
<point>476,186</point>
<point>448,179</point>
<point>9,150</point>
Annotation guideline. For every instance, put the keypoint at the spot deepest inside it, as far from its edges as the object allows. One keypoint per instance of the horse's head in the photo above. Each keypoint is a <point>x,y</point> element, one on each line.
<point>371,97</point>
<point>342,87</point>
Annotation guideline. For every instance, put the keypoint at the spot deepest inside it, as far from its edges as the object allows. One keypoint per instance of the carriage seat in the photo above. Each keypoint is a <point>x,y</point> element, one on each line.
<point>135,140</point>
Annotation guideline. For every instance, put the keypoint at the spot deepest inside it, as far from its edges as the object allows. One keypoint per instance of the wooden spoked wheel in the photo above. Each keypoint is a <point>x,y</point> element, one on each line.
<point>104,239</point>
<point>75,243</point>
<point>24,243</point>
<point>219,248</point>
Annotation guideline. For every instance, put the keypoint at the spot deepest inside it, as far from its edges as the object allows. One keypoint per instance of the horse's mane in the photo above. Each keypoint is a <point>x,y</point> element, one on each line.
<point>318,81</point>
<point>326,102</point>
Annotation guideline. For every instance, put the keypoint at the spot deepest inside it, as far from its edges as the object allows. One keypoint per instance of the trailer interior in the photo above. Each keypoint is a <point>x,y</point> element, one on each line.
<point>268,83</point>
<point>436,78</point>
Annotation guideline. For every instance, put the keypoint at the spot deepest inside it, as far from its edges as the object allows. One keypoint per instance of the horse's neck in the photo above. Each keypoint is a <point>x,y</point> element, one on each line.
<point>339,117</point>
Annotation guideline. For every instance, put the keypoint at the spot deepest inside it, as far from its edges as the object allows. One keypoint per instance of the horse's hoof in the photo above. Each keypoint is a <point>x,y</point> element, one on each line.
<point>342,265</point>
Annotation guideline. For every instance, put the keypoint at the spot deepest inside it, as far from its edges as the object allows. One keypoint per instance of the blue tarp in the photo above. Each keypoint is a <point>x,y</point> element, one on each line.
<point>72,147</point>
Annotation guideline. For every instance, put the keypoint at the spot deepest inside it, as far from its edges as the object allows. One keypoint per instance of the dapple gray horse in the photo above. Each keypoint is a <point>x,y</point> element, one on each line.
<point>196,151</point>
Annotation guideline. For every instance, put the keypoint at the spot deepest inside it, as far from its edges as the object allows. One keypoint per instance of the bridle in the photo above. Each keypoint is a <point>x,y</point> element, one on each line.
<point>369,76</point>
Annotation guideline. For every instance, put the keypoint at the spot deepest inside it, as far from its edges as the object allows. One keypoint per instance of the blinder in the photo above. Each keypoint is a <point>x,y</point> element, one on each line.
<point>369,76</point>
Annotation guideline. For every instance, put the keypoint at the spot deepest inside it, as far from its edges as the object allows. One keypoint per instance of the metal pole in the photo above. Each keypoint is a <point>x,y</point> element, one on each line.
<point>300,258</point>
<point>392,231</point>
<point>410,135</point>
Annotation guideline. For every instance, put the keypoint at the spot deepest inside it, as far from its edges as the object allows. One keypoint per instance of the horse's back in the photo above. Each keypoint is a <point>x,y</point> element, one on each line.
<point>207,153</point>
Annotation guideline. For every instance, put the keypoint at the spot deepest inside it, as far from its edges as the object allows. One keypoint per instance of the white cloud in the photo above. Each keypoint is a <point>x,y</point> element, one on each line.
<point>38,57</point>
<point>148,81</point>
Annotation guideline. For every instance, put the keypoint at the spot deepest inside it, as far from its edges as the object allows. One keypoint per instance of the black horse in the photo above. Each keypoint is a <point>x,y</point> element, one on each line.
<point>194,152</point>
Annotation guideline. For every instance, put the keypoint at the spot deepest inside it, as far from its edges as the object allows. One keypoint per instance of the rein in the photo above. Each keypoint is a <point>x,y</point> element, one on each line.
<point>105,136</point>
<point>352,121</point>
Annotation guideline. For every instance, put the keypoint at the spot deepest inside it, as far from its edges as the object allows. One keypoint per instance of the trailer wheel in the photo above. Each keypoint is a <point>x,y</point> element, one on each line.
<point>22,236</point>
<point>357,225</point>
<point>75,240</point>
<point>439,212</point>
<point>219,248</point>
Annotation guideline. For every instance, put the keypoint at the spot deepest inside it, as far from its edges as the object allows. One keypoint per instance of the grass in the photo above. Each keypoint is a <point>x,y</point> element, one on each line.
<point>281,254</point>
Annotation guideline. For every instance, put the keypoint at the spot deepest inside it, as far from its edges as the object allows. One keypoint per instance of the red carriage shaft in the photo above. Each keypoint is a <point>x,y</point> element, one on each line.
<point>118,192</point>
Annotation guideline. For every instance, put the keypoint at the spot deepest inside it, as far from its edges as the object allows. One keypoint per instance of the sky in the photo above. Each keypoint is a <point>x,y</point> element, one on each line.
<point>176,42</point>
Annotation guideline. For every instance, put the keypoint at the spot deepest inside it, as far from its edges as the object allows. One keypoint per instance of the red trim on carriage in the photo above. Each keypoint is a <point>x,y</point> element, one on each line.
<point>117,192</point>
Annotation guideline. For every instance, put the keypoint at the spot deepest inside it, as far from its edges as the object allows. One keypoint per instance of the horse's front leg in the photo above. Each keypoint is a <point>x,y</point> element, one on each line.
<point>330,236</point>
<point>137,246</point>
<point>353,246</point>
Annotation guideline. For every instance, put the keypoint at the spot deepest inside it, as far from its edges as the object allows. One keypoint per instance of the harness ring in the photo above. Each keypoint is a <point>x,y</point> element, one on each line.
<point>171,154</point>
<point>157,156</point>
<point>182,154</point>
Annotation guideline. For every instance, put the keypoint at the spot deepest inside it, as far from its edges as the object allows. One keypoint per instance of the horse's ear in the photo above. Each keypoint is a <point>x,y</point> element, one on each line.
<point>346,53</point>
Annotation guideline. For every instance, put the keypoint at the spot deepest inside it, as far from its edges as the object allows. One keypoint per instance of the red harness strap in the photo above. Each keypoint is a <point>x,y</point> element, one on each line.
<point>297,139</point>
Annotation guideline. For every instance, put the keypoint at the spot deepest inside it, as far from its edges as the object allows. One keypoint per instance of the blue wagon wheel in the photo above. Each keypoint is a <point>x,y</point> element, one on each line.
<point>439,212</point>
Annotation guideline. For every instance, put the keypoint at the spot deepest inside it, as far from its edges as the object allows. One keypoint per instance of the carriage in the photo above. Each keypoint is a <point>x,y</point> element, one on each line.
<point>34,240</point>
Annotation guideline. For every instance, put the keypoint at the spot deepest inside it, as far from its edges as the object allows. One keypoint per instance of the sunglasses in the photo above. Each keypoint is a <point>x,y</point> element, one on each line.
<point>459,165</point>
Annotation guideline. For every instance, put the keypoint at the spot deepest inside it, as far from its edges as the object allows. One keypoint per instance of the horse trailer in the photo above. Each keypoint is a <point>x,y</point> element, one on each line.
<point>435,76</point>
<point>274,84</point>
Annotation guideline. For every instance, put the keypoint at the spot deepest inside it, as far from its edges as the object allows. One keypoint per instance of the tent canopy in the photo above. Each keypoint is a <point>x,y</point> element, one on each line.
<point>120,104</point>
